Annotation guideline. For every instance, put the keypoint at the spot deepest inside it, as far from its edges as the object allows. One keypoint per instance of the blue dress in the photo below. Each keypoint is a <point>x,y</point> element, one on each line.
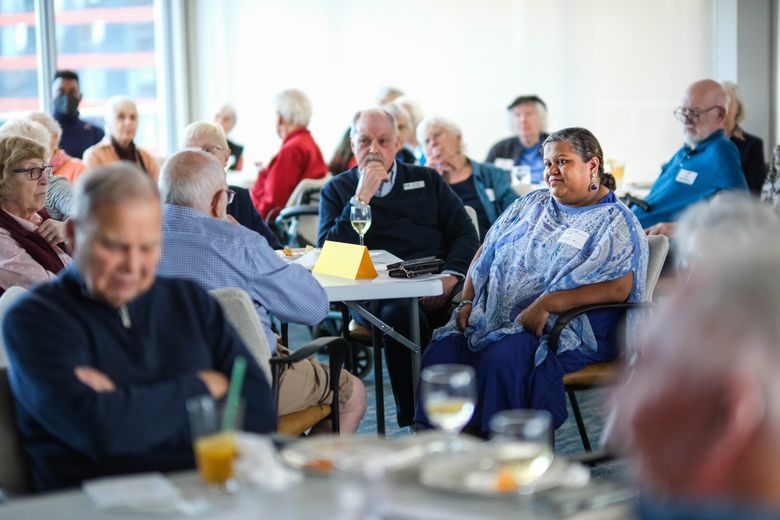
<point>540,246</point>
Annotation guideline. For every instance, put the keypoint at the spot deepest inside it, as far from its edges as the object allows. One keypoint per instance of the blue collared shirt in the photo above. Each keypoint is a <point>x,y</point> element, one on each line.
<point>218,254</point>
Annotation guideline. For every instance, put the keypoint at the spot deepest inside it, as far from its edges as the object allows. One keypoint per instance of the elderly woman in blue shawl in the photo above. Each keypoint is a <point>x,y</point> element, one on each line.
<point>551,251</point>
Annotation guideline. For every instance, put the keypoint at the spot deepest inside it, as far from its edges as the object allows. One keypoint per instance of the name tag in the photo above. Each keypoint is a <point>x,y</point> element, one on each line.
<point>574,238</point>
<point>414,185</point>
<point>686,177</point>
<point>491,194</point>
<point>503,163</point>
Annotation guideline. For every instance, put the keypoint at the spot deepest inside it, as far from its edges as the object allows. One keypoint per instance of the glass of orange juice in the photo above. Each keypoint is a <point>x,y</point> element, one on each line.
<point>214,441</point>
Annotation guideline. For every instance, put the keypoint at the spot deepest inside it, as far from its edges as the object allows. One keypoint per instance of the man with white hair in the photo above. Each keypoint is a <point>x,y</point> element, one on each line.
<point>210,138</point>
<point>104,357</point>
<point>706,164</point>
<point>299,157</point>
<point>200,245</point>
<point>700,412</point>
<point>226,118</point>
<point>527,119</point>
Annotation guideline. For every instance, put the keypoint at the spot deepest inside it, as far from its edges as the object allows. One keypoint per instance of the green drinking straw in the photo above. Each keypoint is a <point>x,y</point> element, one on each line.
<point>234,393</point>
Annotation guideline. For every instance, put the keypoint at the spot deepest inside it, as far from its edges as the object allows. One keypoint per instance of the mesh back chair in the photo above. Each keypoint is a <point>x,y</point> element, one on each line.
<point>602,374</point>
<point>297,222</point>
<point>240,312</point>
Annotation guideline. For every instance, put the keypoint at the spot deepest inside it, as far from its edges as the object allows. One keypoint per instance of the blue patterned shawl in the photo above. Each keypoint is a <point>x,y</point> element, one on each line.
<point>522,259</point>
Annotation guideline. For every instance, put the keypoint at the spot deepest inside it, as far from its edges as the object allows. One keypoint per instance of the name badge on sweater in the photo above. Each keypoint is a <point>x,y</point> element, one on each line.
<point>574,238</point>
<point>686,177</point>
<point>414,185</point>
<point>491,194</point>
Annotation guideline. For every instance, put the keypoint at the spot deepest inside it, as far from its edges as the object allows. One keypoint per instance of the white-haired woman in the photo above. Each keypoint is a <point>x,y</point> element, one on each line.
<point>62,164</point>
<point>482,186</point>
<point>299,157</point>
<point>119,145</point>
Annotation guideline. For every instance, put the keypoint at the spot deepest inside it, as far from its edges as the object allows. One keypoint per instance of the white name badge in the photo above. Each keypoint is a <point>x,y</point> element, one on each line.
<point>491,194</point>
<point>504,164</point>
<point>574,237</point>
<point>686,177</point>
<point>414,185</point>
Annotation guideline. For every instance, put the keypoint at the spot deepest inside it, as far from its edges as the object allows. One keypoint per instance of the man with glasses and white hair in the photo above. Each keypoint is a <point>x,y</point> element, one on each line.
<point>210,138</point>
<point>706,164</point>
<point>201,245</point>
<point>299,157</point>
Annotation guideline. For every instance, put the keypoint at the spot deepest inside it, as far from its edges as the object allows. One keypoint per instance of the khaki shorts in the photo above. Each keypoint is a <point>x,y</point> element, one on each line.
<point>307,383</point>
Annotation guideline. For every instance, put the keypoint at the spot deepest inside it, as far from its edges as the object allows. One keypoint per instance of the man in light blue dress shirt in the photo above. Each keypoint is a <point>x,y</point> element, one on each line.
<point>201,243</point>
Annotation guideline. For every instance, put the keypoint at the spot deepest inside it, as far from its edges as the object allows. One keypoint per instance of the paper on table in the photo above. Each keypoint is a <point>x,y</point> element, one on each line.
<point>257,463</point>
<point>143,493</point>
<point>309,259</point>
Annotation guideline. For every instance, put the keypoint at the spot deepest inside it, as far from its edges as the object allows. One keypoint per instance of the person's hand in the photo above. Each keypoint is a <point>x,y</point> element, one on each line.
<point>448,283</point>
<point>229,218</point>
<point>95,379</point>
<point>374,174</point>
<point>534,317</point>
<point>216,383</point>
<point>662,228</point>
<point>53,231</point>
<point>463,316</point>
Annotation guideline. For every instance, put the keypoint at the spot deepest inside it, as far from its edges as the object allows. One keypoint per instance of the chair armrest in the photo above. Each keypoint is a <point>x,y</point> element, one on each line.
<point>296,211</point>
<point>337,349</point>
<point>629,200</point>
<point>566,317</point>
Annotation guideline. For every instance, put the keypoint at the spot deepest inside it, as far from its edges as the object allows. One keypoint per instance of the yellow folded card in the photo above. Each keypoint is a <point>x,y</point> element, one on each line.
<point>345,260</point>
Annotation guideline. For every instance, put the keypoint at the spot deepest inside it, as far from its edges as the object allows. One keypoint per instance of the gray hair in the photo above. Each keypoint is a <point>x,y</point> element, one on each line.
<point>48,122</point>
<point>731,217</point>
<point>412,107</point>
<point>198,129</point>
<point>380,111</point>
<point>109,186</point>
<point>388,94</point>
<point>190,178</point>
<point>447,124</point>
<point>113,104</point>
<point>230,111</point>
<point>27,128</point>
<point>294,107</point>
<point>398,112</point>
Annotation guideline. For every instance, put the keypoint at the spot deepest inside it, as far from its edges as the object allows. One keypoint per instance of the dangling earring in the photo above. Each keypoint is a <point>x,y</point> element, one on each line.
<point>593,185</point>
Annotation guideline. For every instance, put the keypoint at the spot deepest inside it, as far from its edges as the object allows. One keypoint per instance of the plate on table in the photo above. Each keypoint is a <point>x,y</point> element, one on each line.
<point>293,253</point>
<point>481,474</point>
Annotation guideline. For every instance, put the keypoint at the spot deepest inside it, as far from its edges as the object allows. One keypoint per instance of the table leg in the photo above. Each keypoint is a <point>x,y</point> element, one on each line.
<point>379,385</point>
<point>414,328</point>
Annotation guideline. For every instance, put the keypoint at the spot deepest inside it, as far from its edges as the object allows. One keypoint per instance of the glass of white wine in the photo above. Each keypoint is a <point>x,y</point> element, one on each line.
<point>449,396</point>
<point>360,217</point>
<point>523,444</point>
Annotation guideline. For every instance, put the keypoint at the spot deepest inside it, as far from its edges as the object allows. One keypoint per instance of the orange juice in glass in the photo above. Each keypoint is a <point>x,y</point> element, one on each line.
<point>214,441</point>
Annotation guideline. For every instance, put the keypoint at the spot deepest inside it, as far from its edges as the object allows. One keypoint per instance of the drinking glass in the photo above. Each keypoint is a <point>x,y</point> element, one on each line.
<point>360,217</point>
<point>523,440</point>
<point>214,441</point>
<point>449,395</point>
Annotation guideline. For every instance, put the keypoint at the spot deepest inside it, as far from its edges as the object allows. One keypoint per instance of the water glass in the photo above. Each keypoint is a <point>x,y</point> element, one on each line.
<point>449,396</point>
<point>214,441</point>
<point>523,440</point>
<point>360,218</point>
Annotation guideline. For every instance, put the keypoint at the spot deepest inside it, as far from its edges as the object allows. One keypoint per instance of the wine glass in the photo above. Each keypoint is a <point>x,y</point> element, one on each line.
<point>360,217</point>
<point>523,440</point>
<point>449,397</point>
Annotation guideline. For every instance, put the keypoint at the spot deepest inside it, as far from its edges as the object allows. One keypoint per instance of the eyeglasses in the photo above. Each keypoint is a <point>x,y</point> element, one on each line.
<point>685,114</point>
<point>35,172</point>
<point>230,195</point>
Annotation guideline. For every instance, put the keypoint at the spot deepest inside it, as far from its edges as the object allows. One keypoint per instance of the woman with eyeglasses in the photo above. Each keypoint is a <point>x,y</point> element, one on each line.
<point>32,245</point>
<point>119,144</point>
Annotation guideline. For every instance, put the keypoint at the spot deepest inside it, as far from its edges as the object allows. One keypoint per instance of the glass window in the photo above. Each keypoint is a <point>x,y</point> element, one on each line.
<point>111,45</point>
<point>18,61</point>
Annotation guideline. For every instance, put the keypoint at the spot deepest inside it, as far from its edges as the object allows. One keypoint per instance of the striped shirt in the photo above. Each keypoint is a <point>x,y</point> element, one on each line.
<point>218,254</point>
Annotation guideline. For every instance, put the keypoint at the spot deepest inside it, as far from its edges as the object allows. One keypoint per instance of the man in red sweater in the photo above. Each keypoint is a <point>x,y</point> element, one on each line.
<point>299,157</point>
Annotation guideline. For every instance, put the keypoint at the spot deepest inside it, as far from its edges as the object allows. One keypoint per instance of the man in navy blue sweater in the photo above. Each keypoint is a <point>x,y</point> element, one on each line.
<point>414,214</point>
<point>103,358</point>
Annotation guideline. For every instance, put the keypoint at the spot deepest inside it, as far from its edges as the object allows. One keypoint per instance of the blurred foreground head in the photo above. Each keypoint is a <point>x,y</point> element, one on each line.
<point>700,412</point>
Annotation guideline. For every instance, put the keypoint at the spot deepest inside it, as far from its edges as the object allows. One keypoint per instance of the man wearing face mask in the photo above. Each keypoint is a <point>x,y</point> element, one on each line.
<point>77,134</point>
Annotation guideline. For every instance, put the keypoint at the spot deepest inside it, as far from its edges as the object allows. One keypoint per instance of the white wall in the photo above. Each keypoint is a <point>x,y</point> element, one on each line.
<point>618,67</point>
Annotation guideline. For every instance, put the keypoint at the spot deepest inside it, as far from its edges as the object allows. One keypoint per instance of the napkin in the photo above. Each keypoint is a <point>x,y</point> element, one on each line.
<point>144,493</point>
<point>258,465</point>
